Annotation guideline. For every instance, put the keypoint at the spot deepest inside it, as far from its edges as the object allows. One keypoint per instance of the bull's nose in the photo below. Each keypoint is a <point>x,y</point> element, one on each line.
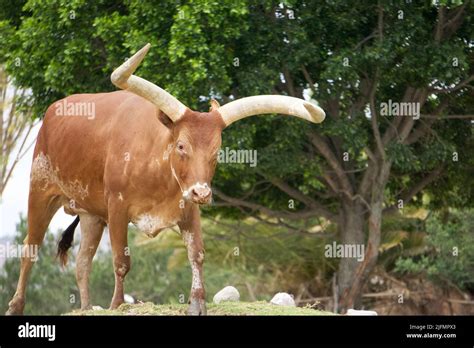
<point>201,194</point>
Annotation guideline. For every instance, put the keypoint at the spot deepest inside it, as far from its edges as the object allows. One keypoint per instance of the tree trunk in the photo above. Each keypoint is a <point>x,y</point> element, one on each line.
<point>351,230</point>
<point>357,273</point>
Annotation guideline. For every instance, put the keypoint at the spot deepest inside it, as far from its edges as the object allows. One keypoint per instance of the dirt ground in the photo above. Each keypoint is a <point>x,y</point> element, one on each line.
<point>226,308</point>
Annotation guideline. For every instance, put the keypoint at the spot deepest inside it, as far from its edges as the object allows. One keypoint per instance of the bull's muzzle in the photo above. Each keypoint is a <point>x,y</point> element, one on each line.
<point>200,193</point>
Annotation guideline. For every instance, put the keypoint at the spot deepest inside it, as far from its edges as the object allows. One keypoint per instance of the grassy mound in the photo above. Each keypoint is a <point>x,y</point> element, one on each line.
<point>226,308</point>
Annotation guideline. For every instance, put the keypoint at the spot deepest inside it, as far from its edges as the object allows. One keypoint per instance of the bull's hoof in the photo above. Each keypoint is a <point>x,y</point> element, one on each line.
<point>116,304</point>
<point>16,306</point>
<point>197,307</point>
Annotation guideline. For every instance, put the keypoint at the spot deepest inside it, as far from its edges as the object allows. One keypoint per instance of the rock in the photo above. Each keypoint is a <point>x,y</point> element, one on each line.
<point>360,312</point>
<point>283,299</point>
<point>228,294</point>
<point>128,299</point>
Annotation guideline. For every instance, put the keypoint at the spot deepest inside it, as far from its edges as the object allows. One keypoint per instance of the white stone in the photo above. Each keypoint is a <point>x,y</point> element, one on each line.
<point>283,299</point>
<point>228,294</point>
<point>97,308</point>
<point>360,312</point>
<point>128,299</point>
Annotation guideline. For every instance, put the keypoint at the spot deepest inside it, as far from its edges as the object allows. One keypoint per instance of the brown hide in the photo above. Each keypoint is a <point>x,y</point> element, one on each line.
<point>124,153</point>
<point>115,158</point>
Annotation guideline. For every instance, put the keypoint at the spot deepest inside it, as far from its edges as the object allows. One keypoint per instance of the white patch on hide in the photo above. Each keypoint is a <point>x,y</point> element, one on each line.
<point>151,225</point>
<point>188,239</point>
<point>197,282</point>
<point>185,194</point>
<point>42,171</point>
<point>167,152</point>
<point>198,185</point>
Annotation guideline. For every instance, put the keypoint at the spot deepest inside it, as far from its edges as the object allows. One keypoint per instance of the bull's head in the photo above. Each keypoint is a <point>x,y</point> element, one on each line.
<point>197,135</point>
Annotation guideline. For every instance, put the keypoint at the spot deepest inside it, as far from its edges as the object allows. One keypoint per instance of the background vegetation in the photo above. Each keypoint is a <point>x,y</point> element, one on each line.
<point>402,187</point>
<point>257,259</point>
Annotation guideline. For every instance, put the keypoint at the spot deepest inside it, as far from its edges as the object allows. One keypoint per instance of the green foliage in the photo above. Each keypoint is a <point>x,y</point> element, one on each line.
<point>259,260</point>
<point>256,259</point>
<point>402,236</point>
<point>65,47</point>
<point>450,255</point>
<point>231,49</point>
<point>456,188</point>
<point>49,288</point>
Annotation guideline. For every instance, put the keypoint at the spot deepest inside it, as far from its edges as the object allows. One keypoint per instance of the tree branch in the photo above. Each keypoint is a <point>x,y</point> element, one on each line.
<point>425,126</point>
<point>364,40</point>
<point>414,190</point>
<point>373,119</point>
<point>453,89</point>
<point>448,116</point>
<point>455,20</point>
<point>327,153</point>
<point>289,82</point>
<point>308,78</point>
<point>439,25</point>
<point>392,131</point>
<point>298,195</point>
<point>408,123</point>
<point>236,202</point>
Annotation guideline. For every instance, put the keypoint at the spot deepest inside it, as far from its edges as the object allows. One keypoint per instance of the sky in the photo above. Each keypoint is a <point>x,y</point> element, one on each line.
<point>15,196</point>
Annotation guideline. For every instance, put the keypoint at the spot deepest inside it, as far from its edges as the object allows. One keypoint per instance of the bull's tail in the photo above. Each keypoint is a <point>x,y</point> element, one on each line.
<point>65,242</point>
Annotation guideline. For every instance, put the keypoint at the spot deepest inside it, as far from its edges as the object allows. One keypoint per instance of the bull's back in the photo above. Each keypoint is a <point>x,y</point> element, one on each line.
<point>75,141</point>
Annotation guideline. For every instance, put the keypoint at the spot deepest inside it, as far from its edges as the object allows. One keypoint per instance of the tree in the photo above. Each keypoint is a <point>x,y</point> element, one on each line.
<point>15,127</point>
<point>355,59</point>
<point>448,258</point>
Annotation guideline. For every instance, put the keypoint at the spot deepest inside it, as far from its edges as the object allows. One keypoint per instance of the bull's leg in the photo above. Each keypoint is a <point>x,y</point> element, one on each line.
<point>191,233</point>
<point>91,233</point>
<point>41,209</point>
<point>118,229</point>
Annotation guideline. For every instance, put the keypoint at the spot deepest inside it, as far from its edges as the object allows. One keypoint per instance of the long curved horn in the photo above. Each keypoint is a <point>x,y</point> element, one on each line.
<point>122,78</point>
<point>271,104</point>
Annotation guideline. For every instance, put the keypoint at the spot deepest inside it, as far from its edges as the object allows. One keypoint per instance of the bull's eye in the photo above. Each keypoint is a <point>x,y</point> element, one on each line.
<point>180,147</point>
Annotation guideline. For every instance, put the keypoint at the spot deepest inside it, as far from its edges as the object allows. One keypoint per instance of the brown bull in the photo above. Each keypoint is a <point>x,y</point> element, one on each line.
<point>140,156</point>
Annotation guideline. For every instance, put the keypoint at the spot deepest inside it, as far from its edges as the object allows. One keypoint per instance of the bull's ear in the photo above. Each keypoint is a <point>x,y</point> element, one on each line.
<point>164,119</point>
<point>214,105</point>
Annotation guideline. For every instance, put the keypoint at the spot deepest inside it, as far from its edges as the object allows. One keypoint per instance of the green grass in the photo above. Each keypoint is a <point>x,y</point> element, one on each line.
<point>226,308</point>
